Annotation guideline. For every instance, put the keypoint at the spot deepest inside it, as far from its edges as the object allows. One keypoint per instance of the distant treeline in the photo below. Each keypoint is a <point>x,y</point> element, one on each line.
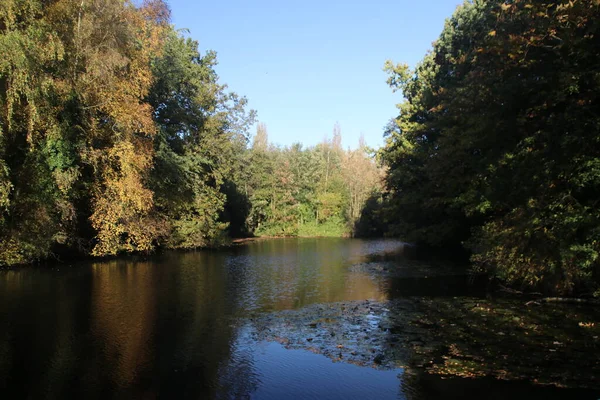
<point>116,136</point>
<point>497,146</point>
<point>317,191</point>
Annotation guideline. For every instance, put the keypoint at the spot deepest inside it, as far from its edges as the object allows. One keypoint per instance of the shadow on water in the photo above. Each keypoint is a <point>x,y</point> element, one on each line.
<point>463,341</point>
<point>426,386</point>
<point>411,271</point>
<point>238,324</point>
<point>476,338</point>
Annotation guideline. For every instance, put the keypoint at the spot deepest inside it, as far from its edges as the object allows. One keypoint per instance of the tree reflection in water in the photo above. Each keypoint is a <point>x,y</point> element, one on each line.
<point>191,325</point>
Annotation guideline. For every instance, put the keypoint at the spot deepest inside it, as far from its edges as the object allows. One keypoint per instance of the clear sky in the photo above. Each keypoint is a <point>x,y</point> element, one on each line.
<point>303,65</point>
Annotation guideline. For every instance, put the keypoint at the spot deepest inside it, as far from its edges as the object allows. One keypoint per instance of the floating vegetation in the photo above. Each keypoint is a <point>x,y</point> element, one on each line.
<point>458,336</point>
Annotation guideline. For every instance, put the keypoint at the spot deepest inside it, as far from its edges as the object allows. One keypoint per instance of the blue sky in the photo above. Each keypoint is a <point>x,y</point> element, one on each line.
<point>303,65</point>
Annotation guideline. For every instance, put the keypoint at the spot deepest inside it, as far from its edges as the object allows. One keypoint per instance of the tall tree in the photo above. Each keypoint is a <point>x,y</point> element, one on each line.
<point>202,131</point>
<point>73,89</point>
<point>362,178</point>
<point>497,138</point>
<point>115,134</point>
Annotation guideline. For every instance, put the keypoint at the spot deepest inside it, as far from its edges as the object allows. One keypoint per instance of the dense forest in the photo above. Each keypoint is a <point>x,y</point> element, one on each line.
<point>116,135</point>
<point>497,145</point>
<point>296,191</point>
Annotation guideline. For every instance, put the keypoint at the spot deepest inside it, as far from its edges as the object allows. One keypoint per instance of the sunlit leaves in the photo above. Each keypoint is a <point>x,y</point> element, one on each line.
<point>122,203</point>
<point>74,77</point>
<point>114,132</point>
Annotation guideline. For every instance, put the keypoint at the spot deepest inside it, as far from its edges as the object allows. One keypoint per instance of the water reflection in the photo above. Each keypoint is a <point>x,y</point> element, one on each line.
<point>169,326</point>
<point>178,325</point>
<point>122,315</point>
<point>291,273</point>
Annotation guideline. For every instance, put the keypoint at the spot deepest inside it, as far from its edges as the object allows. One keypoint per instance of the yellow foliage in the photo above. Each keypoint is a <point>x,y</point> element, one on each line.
<point>122,203</point>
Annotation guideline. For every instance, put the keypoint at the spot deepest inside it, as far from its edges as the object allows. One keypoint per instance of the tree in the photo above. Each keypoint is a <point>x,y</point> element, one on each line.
<point>114,132</point>
<point>72,91</point>
<point>362,179</point>
<point>202,134</point>
<point>495,145</point>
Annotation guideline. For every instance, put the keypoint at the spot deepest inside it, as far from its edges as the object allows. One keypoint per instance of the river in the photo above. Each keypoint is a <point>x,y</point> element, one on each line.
<point>272,319</point>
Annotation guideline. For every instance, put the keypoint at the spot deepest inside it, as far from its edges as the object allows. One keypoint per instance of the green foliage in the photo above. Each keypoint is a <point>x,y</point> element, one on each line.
<point>372,221</point>
<point>116,136</point>
<point>333,227</point>
<point>496,146</point>
<point>315,191</point>
<point>201,132</point>
<point>114,133</point>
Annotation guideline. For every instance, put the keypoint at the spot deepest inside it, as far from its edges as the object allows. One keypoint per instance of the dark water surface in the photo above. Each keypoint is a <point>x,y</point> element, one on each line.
<point>178,325</point>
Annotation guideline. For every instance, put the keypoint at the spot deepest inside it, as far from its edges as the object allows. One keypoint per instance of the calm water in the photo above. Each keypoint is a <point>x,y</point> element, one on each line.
<point>177,326</point>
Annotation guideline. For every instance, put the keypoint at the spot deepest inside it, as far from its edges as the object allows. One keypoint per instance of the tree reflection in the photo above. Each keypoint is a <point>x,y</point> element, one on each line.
<point>291,274</point>
<point>136,329</point>
<point>123,314</point>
